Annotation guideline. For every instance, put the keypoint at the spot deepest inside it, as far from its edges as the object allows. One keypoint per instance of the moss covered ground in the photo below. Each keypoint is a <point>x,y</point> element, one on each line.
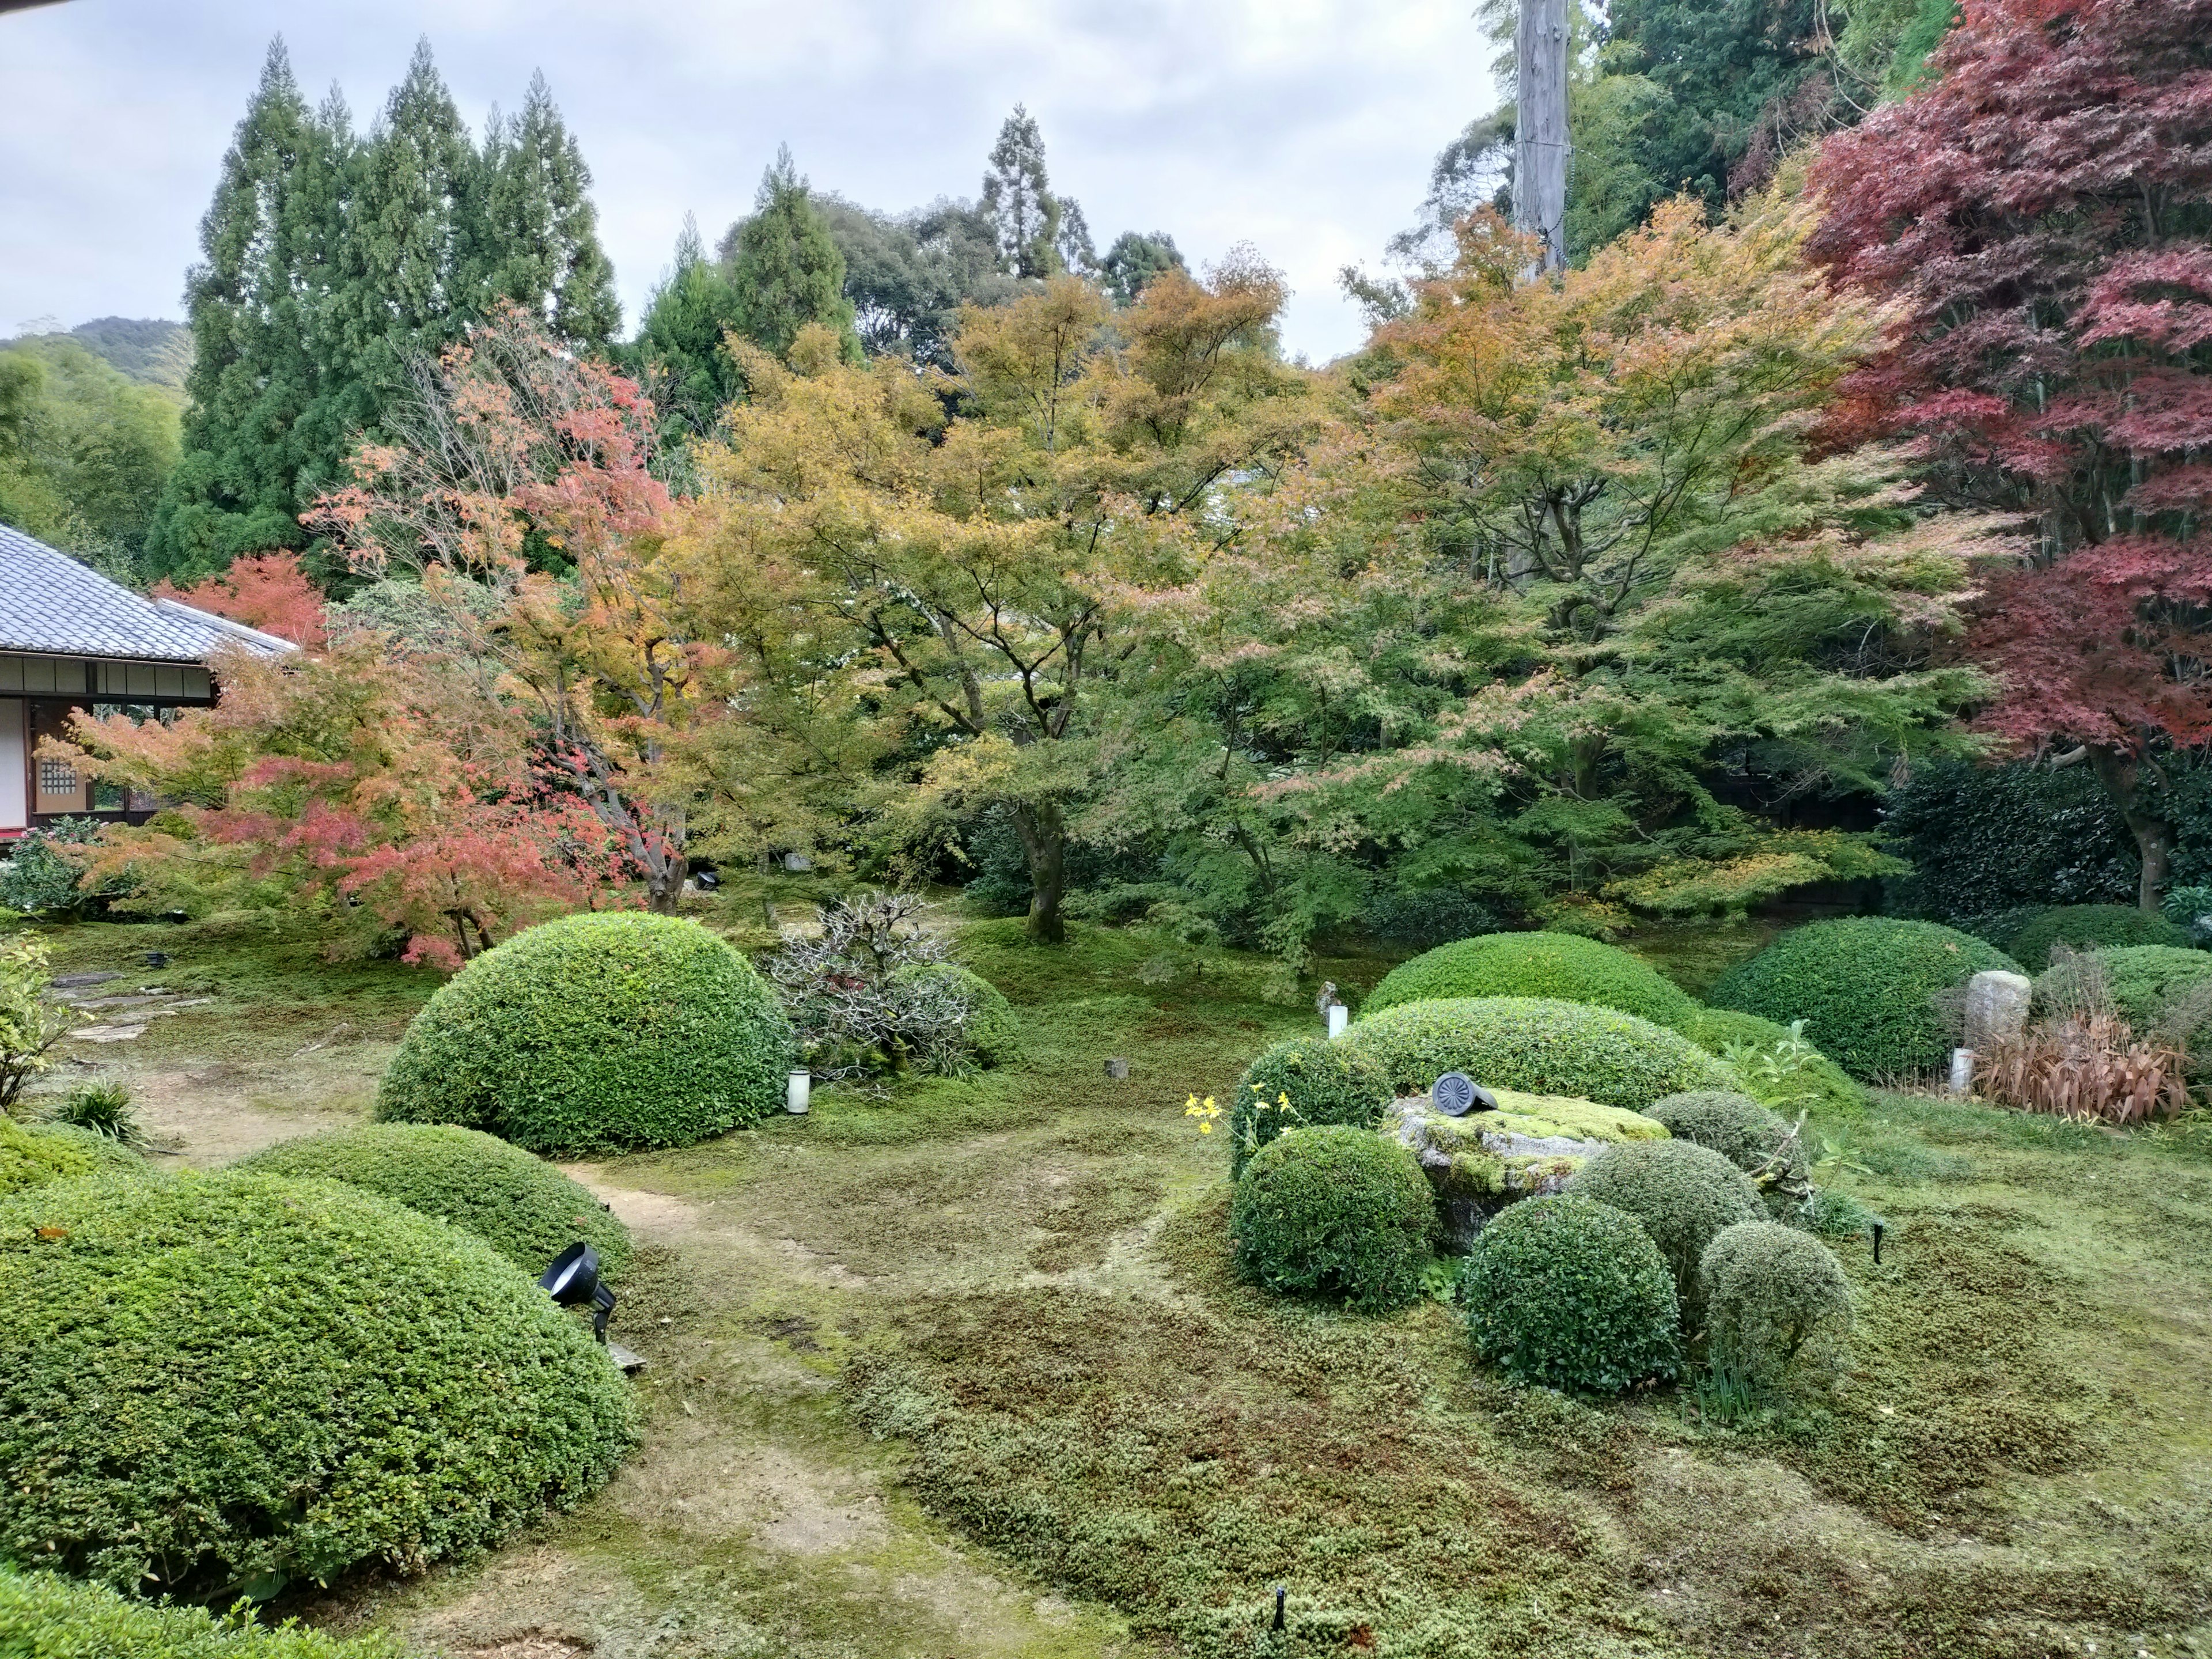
<point>965,1372</point>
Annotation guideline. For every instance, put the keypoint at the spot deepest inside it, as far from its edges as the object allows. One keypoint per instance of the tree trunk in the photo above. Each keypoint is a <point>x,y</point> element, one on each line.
<point>2121,774</point>
<point>1539,128</point>
<point>1044,838</point>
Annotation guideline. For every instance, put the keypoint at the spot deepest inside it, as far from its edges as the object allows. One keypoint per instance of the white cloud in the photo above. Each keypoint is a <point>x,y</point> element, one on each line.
<point>1302,126</point>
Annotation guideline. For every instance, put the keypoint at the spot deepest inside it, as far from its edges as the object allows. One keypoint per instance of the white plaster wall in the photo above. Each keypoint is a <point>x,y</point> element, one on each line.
<point>13,764</point>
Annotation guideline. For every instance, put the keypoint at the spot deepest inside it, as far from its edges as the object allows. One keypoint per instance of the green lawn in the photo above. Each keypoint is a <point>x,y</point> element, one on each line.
<point>964,1370</point>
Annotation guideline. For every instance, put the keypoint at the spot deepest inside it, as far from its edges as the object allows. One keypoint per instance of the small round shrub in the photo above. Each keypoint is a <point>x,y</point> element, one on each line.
<point>1735,1126</point>
<point>2088,926</point>
<point>596,1034</point>
<point>1684,1195</point>
<point>1776,1300</point>
<point>1718,1029</point>
<point>1335,1211</point>
<point>1571,1294</point>
<point>32,1154</point>
<point>216,1385</point>
<point>1561,966</point>
<point>514,1200</point>
<point>1865,989</point>
<point>994,1037</point>
<point>1536,1047</point>
<point>45,1616</point>
<point>1325,1082</point>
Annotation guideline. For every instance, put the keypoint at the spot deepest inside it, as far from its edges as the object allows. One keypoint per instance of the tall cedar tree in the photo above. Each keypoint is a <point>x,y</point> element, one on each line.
<point>680,354</point>
<point>2041,214</point>
<point>785,270</point>
<point>1039,234</point>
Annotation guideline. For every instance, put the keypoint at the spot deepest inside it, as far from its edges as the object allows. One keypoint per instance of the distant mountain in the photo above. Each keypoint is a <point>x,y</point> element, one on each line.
<point>148,350</point>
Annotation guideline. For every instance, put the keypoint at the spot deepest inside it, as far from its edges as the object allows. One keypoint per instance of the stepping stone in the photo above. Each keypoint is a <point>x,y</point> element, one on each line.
<point>74,982</point>
<point>108,1033</point>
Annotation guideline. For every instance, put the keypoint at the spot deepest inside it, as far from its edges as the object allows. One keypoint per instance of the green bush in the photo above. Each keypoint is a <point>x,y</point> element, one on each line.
<point>993,1035</point>
<point>33,1154</point>
<point>1865,989</point>
<point>1987,838</point>
<point>44,1616</point>
<point>216,1385</point>
<point>1718,1029</point>
<point>1571,1294</point>
<point>1776,1300</point>
<point>596,1034</point>
<point>1537,1046</point>
<point>2088,926</point>
<point>1558,966</point>
<point>1685,1195</point>
<point>514,1200</point>
<point>2143,981</point>
<point>1324,1082</point>
<point>1735,1126</point>
<point>1335,1211</point>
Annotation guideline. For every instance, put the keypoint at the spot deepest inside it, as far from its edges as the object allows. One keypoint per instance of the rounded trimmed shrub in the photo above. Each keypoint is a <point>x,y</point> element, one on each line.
<point>1571,1294</point>
<point>1684,1194</point>
<point>216,1385</point>
<point>1735,1126</point>
<point>514,1200</point>
<point>1776,1300</point>
<point>994,1037</point>
<point>1564,967</point>
<point>44,1616</point>
<point>1537,1046</point>
<point>1335,1211</point>
<point>2089,928</point>
<point>1865,989</point>
<point>32,1154</point>
<point>1324,1082</point>
<point>1718,1029</point>
<point>2142,980</point>
<point>596,1034</point>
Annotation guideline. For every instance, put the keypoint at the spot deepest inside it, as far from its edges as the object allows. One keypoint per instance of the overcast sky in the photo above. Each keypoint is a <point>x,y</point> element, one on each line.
<point>1305,127</point>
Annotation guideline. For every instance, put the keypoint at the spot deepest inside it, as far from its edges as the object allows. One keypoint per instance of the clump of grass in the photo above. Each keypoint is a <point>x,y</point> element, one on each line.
<point>99,1109</point>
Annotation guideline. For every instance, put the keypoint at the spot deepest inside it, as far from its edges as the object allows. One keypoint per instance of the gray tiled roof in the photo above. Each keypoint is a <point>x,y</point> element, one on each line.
<point>51,604</point>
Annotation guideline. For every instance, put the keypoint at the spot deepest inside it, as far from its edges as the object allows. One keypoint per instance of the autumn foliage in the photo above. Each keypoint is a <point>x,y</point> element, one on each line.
<point>267,591</point>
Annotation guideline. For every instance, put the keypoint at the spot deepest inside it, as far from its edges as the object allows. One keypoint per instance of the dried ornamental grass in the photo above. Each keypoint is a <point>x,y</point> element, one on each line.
<point>2092,1069</point>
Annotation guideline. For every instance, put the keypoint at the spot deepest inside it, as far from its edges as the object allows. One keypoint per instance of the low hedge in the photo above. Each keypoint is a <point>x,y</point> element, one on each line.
<point>1303,1082</point>
<point>1735,1126</point>
<point>994,1036</point>
<point>44,1616</point>
<point>1570,1293</point>
<point>1538,1046</point>
<point>1684,1194</point>
<point>596,1034</point>
<point>32,1154</point>
<point>1563,966</point>
<point>1776,1302</point>
<point>514,1200</point>
<point>1718,1029</point>
<point>1866,988</point>
<point>2143,981</point>
<point>1335,1211</point>
<point>2089,927</point>
<point>217,1385</point>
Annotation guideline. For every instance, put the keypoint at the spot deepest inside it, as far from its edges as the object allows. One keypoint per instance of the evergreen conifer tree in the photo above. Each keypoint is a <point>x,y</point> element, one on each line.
<point>678,352</point>
<point>786,268</point>
<point>1017,199</point>
<point>539,244</point>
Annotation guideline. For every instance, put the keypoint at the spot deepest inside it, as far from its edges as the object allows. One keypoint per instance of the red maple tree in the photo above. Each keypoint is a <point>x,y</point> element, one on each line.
<point>2040,215</point>
<point>267,591</point>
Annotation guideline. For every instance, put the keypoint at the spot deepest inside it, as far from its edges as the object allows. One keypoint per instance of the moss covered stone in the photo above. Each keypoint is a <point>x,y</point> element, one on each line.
<point>1561,966</point>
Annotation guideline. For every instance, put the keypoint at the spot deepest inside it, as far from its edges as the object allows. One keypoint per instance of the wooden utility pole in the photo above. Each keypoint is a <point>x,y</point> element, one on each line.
<point>1539,128</point>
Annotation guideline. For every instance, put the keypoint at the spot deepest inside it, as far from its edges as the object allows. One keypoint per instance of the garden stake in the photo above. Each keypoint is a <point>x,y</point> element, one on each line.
<point>1279,1593</point>
<point>1877,1244</point>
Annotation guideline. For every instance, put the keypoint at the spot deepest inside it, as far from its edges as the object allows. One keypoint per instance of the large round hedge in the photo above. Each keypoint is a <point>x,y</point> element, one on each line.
<point>45,1617</point>
<point>993,1035</point>
<point>1718,1029</point>
<point>1562,966</point>
<point>32,1154</point>
<point>1684,1195</point>
<point>596,1034</point>
<point>1306,1081</point>
<point>1335,1211</point>
<point>219,1385</point>
<point>1571,1294</point>
<point>2143,981</point>
<point>1537,1046</point>
<point>2089,926</point>
<point>514,1200</point>
<point>1776,1300</point>
<point>1735,1126</point>
<point>1865,989</point>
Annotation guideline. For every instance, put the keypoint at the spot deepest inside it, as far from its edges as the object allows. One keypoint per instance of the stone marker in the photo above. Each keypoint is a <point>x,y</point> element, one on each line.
<point>1118,1070</point>
<point>1996,1008</point>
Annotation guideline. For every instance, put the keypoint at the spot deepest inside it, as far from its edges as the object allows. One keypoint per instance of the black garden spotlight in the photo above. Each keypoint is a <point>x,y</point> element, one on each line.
<point>1457,1094</point>
<point>572,1281</point>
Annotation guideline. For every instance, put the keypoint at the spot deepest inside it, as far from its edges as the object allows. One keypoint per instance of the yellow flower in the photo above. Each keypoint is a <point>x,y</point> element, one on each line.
<point>1206,1128</point>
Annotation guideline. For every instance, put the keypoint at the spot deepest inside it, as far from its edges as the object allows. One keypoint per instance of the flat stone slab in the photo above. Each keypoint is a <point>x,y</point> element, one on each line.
<point>622,1356</point>
<point>107,1033</point>
<point>77,981</point>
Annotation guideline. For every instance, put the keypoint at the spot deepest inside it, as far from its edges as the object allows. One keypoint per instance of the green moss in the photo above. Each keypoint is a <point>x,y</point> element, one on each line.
<point>1537,1046</point>
<point>1558,966</point>
<point>1563,1115</point>
<point>596,1034</point>
<point>1865,989</point>
<point>44,1616</point>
